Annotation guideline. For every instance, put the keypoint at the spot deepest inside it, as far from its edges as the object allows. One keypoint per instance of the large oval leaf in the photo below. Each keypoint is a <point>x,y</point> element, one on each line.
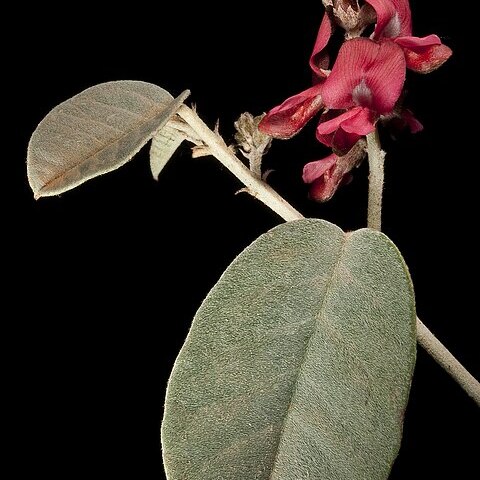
<point>298,364</point>
<point>95,132</point>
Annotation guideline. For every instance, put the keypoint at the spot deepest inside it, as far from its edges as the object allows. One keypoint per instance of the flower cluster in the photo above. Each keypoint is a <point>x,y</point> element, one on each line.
<point>364,85</point>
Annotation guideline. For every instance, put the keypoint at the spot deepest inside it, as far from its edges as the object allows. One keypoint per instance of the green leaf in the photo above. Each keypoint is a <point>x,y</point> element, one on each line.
<point>95,132</point>
<point>298,364</point>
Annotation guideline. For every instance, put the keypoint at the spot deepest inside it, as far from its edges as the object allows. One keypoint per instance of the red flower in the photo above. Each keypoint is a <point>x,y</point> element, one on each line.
<point>394,22</point>
<point>321,174</point>
<point>326,175</point>
<point>366,82</point>
<point>291,116</point>
<point>319,59</point>
<point>363,86</point>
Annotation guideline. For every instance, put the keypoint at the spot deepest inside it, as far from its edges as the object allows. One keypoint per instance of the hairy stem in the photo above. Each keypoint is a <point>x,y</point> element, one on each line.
<point>447,361</point>
<point>259,189</point>
<point>255,161</point>
<point>376,160</point>
<point>255,186</point>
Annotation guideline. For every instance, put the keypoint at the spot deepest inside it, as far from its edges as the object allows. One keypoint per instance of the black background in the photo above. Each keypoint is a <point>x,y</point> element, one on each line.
<point>106,279</point>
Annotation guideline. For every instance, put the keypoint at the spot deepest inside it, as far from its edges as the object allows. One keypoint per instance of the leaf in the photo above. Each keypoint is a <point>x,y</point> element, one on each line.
<point>298,363</point>
<point>164,145</point>
<point>95,132</point>
<point>167,140</point>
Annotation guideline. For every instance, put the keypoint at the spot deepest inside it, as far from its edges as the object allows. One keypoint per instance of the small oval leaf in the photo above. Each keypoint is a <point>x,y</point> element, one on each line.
<point>95,132</point>
<point>298,364</point>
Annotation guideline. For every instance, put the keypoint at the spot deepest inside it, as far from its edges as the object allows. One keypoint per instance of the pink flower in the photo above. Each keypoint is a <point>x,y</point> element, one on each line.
<point>291,116</point>
<point>394,22</point>
<point>363,87</point>
<point>319,59</point>
<point>366,82</point>
<point>326,175</point>
<point>321,175</point>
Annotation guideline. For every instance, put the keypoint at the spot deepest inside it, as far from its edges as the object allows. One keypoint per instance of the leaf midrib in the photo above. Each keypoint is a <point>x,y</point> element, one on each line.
<point>108,145</point>
<point>307,347</point>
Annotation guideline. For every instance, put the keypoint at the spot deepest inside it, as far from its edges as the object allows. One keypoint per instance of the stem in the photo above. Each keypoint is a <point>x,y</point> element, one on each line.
<point>256,164</point>
<point>376,160</point>
<point>433,346</point>
<point>273,200</point>
<point>255,186</point>
<point>447,361</point>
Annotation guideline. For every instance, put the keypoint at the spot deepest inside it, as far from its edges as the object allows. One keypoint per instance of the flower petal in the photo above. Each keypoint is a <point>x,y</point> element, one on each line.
<point>319,59</point>
<point>314,170</point>
<point>418,44</point>
<point>290,117</point>
<point>404,14</point>
<point>352,129</point>
<point>343,141</point>
<point>362,123</point>
<point>343,131</point>
<point>411,122</point>
<point>332,124</point>
<point>385,11</point>
<point>323,187</point>
<point>369,67</point>
<point>394,18</point>
<point>423,55</point>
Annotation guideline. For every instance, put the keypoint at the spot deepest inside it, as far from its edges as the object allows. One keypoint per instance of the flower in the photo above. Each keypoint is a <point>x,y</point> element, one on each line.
<point>366,82</point>
<point>326,175</point>
<point>363,87</point>
<point>394,23</point>
<point>292,115</point>
<point>319,59</point>
<point>287,119</point>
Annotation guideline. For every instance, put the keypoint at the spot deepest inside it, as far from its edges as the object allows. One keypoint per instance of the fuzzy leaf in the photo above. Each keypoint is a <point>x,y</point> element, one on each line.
<point>298,364</point>
<point>164,145</point>
<point>95,132</point>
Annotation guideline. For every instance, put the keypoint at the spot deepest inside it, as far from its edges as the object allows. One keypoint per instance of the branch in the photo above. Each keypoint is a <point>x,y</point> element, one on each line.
<point>255,186</point>
<point>447,361</point>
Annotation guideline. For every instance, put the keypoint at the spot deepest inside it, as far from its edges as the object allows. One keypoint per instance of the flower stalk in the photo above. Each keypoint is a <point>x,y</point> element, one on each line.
<point>376,161</point>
